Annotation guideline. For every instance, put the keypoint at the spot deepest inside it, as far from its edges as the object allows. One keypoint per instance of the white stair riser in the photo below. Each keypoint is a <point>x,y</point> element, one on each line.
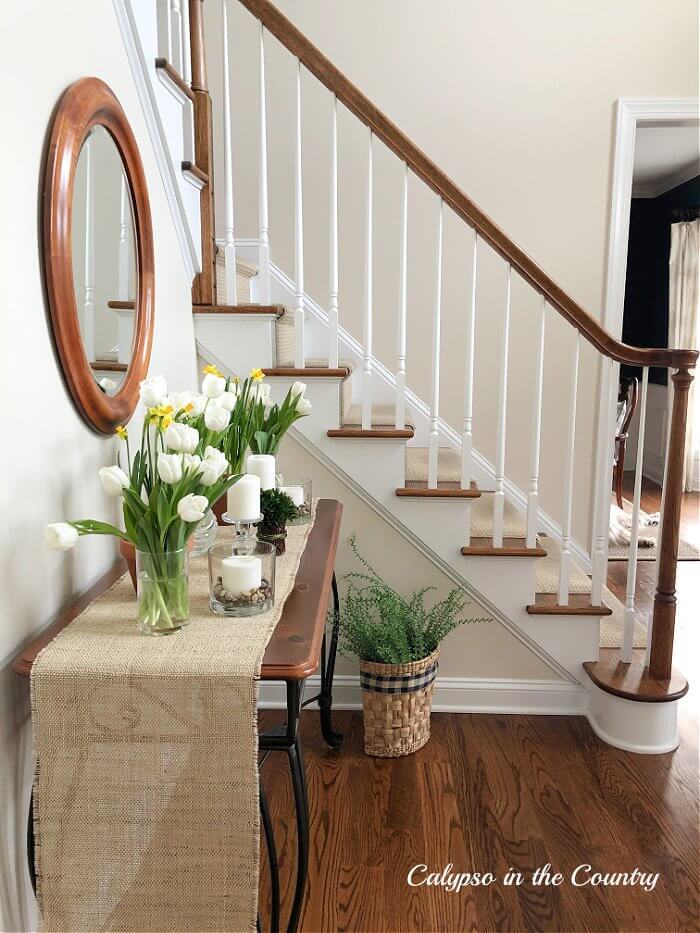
<point>239,342</point>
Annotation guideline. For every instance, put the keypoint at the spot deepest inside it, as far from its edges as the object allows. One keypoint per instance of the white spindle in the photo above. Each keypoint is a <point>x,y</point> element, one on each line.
<point>230,247</point>
<point>264,246</point>
<point>177,60</point>
<point>628,627</point>
<point>435,380</point>
<point>124,249</point>
<point>369,283</point>
<point>165,42</point>
<point>533,491</point>
<point>333,270</point>
<point>469,376</point>
<point>569,459</point>
<point>499,495</point>
<point>300,350</point>
<point>88,329</point>
<point>601,506</point>
<point>400,414</point>
<point>186,43</point>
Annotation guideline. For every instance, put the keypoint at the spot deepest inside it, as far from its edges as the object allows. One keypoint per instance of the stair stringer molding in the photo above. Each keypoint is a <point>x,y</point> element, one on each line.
<point>282,291</point>
<point>166,121</point>
<point>436,527</point>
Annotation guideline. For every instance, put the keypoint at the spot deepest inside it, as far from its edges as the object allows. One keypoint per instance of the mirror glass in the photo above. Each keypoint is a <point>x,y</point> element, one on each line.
<point>104,259</point>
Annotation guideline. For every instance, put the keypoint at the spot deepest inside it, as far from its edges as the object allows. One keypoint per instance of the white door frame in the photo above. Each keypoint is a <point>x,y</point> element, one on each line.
<point>631,113</point>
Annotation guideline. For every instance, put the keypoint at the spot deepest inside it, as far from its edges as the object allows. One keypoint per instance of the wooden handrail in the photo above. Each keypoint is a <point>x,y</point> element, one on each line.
<point>382,127</point>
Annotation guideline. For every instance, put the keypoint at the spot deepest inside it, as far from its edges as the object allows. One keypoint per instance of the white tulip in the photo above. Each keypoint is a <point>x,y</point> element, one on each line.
<point>213,386</point>
<point>260,392</point>
<point>227,400</point>
<point>303,406</point>
<point>109,385</point>
<point>198,403</point>
<point>169,468</point>
<point>191,461</point>
<point>191,508</point>
<point>213,467</point>
<point>181,437</point>
<point>178,400</point>
<point>153,391</point>
<point>298,388</point>
<point>216,418</point>
<point>60,536</point>
<point>114,480</point>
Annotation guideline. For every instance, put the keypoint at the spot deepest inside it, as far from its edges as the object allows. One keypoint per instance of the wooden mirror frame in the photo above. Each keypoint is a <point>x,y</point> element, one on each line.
<point>87,103</point>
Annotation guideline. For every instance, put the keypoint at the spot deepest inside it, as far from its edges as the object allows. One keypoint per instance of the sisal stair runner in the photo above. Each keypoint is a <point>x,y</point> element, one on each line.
<point>449,475</point>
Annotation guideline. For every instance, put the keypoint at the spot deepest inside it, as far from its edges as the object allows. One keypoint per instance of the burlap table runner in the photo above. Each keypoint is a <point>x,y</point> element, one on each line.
<point>146,787</point>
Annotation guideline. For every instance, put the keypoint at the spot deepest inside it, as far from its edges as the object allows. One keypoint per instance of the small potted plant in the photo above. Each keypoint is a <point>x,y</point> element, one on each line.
<point>277,509</point>
<point>396,640</point>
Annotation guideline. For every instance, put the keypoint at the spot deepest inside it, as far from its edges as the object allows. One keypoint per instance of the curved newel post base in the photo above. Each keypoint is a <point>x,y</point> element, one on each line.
<point>630,709</point>
<point>644,728</point>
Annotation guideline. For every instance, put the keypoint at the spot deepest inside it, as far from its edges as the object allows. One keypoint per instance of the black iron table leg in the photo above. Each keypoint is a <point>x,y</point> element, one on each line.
<point>296,766</point>
<point>30,841</point>
<point>325,699</point>
<point>272,860</point>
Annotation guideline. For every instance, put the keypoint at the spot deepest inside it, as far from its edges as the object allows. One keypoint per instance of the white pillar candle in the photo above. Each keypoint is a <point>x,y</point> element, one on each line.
<point>295,493</point>
<point>262,465</point>
<point>243,499</point>
<point>241,574</point>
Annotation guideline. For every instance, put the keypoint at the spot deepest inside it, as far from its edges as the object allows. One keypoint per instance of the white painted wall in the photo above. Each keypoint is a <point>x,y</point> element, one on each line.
<point>515,101</point>
<point>50,457</point>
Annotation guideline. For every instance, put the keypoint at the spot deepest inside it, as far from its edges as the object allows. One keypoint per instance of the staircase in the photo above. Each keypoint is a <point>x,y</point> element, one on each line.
<point>391,446</point>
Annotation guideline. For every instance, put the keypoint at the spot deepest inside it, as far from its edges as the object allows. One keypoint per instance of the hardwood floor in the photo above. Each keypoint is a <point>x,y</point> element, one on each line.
<point>491,794</point>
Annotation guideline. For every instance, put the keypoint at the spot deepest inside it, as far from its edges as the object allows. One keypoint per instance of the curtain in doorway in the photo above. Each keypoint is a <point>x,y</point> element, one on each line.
<point>683,325</point>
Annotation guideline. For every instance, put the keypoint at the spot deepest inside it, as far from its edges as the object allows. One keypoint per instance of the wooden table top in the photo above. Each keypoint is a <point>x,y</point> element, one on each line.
<point>294,650</point>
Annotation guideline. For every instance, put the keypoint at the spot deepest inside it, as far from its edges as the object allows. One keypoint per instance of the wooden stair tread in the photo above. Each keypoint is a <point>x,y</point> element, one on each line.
<point>121,305</point>
<point>341,372</point>
<point>633,681</point>
<point>193,169</point>
<point>162,64</point>
<point>109,366</point>
<point>579,605</point>
<point>444,490</point>
<point>249,309</point>
<point>512,547</point>
<point>380,432</point>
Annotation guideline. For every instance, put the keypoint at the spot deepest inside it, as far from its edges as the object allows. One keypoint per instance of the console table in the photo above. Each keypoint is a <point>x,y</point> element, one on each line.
<point>297,648</point>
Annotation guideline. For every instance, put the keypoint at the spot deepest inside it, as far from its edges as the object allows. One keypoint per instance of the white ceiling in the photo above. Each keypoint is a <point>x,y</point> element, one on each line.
<point>664,157</point>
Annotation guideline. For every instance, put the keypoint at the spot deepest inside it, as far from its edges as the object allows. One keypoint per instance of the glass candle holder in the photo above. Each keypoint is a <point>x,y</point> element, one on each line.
<point>299,491</point>
<point>241,578</point>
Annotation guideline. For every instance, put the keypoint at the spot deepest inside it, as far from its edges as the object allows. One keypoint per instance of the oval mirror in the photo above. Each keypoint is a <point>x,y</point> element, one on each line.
<point>104,261</point>
<point>98,254</point>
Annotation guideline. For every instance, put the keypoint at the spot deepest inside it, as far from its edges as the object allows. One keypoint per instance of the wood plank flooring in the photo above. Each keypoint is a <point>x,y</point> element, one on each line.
<point>491,793</point>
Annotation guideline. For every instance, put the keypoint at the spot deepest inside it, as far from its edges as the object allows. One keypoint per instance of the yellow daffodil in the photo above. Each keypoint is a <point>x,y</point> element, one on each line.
<point>257,375</point>
<point>212,371</point>
<point>166,421</point>
<point>188,408</point>
<point>122,433</point>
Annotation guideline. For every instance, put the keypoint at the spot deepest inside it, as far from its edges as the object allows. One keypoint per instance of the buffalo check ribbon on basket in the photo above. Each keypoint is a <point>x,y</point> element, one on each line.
<point>146,785</point>
<point>406,683</point>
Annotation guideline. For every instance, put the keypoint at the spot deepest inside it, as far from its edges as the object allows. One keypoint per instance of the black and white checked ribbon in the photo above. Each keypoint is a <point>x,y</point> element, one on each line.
<point>407,683</point>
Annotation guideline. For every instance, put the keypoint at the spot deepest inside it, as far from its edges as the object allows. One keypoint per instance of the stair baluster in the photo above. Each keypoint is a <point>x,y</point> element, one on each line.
<point>369,285</point>
<point>499,495</point>
<point>124,251</point>
<point>333,271</point>
<point>435,377</point>
<point>469,378</point>
<point>601,505</point>
<point>569,460</point>
<point>263,277</point>
<point>299,345</point>
<point>657,564</point>
<point>230,247</point>
<point>88,322</point>
<point>628,627</point>
<point>186,50</point>
<point>400,416</point>
<point>533,491</point>
<point>176,37</point>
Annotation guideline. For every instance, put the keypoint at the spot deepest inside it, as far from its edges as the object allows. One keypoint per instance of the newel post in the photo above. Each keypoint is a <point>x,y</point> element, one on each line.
<point>661,654</point>
<point>204,285</point>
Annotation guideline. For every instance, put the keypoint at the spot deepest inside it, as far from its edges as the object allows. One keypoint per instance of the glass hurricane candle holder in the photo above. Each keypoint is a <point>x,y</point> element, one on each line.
<point>241,578</point>
<point>299,491</point>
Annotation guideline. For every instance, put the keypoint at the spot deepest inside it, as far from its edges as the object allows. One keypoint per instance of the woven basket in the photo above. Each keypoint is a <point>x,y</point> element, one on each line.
<point>396,701</point>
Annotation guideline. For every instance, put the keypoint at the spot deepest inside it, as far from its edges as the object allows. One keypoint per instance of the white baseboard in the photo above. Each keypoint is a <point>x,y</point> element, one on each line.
<point>459,695</point>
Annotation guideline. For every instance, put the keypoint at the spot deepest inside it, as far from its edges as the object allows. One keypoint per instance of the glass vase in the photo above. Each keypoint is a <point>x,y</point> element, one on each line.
<point>205,534</point>
<point>162,591</point>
